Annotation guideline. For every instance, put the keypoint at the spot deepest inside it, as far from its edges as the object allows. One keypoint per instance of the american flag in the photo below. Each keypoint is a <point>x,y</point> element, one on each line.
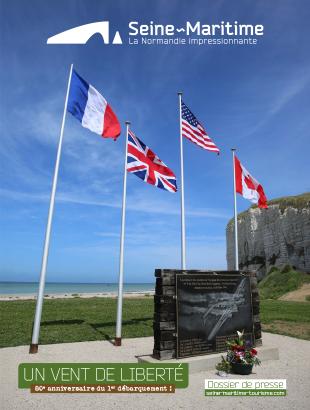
<point>142,162</point>
<point>194,131</point>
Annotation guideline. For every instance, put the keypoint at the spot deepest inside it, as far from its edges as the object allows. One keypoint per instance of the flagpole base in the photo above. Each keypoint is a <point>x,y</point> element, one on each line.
<point>118,341</point>
<point>33,348</point>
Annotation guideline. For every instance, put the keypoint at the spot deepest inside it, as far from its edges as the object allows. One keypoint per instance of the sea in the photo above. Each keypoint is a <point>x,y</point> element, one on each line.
<point>31,288</point>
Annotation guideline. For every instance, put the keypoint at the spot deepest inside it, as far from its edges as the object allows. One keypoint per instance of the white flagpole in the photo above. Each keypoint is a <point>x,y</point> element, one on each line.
<point>183,244</point>
<point>38,313</point>
<point>235,213</point>
<point>118,338</point>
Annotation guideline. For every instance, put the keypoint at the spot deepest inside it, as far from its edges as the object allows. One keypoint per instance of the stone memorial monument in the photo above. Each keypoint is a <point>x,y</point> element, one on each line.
<point>196,312</point>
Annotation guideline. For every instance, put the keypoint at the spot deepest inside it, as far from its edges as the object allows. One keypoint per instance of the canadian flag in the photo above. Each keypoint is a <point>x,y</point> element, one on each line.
<point>248,187</point>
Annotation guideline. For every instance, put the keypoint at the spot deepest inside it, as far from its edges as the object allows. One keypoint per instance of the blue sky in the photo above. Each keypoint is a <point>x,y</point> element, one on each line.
<point>253,98</point>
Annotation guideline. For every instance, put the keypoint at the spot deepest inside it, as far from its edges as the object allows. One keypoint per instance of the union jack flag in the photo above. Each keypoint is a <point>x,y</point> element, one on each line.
<point>195,132</point>
<point>142,162</point>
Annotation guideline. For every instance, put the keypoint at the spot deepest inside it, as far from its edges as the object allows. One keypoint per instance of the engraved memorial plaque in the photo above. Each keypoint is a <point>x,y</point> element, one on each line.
<point>210,309</point>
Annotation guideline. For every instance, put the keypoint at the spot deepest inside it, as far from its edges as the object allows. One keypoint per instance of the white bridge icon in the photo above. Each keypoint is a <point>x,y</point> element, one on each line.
<point>81,34</point>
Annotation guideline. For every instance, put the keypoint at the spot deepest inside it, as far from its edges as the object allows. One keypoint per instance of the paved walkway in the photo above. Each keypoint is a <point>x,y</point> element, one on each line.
<point>294,365</point>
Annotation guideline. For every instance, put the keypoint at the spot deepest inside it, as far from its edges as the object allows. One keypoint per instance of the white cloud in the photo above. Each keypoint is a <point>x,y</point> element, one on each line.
<point>148,206</point>
<point>290,91</point>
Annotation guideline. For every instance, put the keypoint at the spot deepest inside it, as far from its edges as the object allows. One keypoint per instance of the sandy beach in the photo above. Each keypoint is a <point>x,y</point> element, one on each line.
<point>77,295</point>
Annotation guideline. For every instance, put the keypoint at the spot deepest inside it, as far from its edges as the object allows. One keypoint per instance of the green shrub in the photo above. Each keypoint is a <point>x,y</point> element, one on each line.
<point>278,282</point>
<point>286,269</point>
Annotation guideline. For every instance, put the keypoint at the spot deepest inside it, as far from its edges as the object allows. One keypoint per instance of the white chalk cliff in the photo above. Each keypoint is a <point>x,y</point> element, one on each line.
<point>275,236</point>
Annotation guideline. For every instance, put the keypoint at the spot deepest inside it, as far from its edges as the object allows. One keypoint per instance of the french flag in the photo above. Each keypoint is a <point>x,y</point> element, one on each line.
<point>92,110</point>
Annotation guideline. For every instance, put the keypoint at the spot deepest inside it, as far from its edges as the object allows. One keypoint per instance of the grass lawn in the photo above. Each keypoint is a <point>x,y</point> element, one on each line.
<point>74,320</point>
<point>77,319</point>
<point>287,318</point>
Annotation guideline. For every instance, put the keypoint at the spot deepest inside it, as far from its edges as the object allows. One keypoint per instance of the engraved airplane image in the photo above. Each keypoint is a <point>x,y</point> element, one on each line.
<point>224,307</point>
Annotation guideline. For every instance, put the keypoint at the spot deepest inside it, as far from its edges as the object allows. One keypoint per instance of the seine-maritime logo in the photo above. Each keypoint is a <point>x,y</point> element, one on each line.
<point>151,33</point>
<point>81,34</point>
